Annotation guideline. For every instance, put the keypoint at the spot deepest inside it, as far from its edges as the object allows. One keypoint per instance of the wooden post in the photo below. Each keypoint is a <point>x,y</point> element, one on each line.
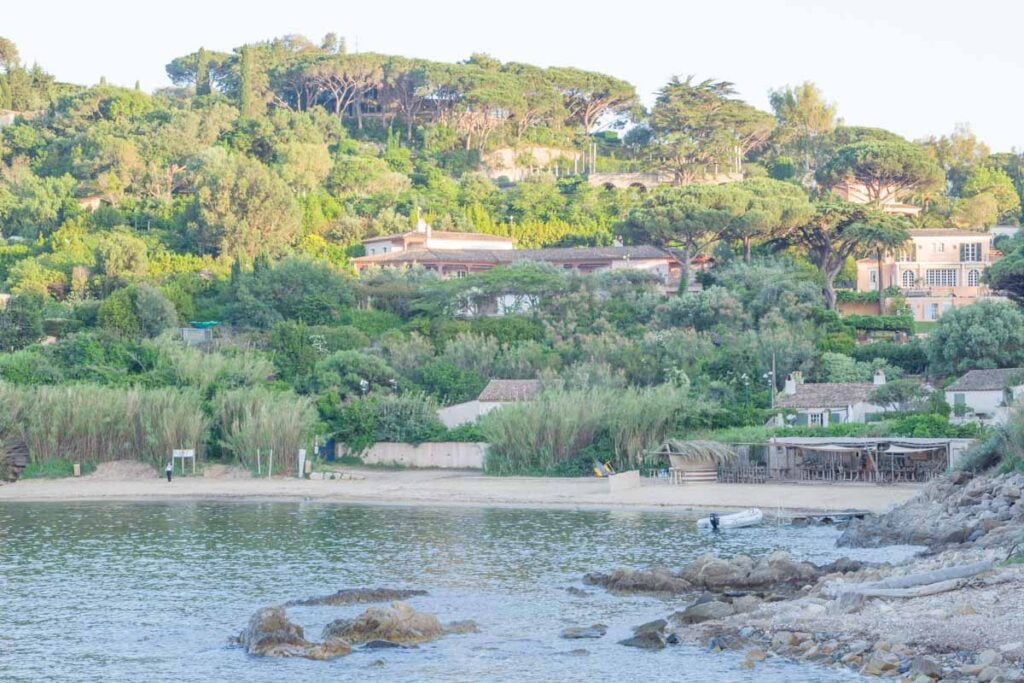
<point>270,465</point>
<point>258,470</point>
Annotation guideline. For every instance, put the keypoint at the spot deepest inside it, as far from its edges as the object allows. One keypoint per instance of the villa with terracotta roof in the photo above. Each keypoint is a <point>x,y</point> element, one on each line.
<point>457,254</point>
<point>938,269</point>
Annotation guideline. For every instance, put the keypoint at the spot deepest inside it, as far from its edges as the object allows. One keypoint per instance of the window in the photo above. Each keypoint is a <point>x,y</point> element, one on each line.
<point>931,312</point>
<point>941,277</point>
<point>873,278</point>
<point>909,278</point>
<point>970,252</point>
<point>939,246</point>
<point>815,419</point>
<point>973,277</point>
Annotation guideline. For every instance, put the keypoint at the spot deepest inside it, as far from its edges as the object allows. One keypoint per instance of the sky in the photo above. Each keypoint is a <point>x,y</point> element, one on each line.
<point>916,67</point>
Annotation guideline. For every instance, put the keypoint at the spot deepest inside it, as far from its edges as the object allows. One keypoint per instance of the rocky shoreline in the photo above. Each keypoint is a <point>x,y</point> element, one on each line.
<point>951,613</point>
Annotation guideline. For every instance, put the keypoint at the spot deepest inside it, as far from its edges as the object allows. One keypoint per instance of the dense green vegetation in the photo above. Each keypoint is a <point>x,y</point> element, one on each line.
<point>240,195</point>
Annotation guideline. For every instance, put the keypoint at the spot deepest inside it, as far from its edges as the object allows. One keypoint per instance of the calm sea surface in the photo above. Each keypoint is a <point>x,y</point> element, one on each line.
<point>153,592</point>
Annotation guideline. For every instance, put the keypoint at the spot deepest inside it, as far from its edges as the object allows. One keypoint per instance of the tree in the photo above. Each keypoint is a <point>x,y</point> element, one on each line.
<point>244,208</point>
<point>887,170</point>
<point>310,292</point>
<point>763,208</point>
<point>805,118</point>
<point>353,374</point>
<point>21,320</point>
<point>988,334</point>
<point>8,55</point>
<point>1006,275</point>
<point>995,182</point>
<point>250,101</point>
<point>699,128</point>
<point>957,154</point>
<point>900,394</point>
<point>673,217</point>
<point>202,73</point>
<point>977,211</point>
<point>839,230</point>
<point>588,96</point>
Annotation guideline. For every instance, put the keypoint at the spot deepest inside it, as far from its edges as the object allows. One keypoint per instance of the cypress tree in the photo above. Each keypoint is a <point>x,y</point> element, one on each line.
<point>202,72</point>
<point>247,99</point>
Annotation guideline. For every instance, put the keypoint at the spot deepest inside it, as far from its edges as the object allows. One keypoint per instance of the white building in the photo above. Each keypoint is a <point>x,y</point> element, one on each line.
<point>424,237</point>
<point>825,403</point>
<point>497,393</point>
<point>985,396</point>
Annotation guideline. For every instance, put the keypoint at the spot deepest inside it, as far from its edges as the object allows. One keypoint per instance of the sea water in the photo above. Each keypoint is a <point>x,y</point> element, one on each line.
<point>155,591</point>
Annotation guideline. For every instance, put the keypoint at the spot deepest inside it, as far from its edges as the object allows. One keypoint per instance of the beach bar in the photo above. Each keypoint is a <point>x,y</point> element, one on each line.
<point>861,459</point>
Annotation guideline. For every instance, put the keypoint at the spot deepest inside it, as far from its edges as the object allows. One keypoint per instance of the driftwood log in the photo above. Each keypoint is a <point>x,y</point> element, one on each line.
<point>912,585</point>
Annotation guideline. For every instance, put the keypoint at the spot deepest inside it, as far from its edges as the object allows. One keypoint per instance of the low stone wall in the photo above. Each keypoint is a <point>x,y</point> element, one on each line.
<point>443,454</point>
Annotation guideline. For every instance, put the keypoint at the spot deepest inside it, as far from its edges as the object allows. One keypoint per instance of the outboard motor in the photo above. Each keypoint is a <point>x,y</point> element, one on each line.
<point>714,522</point>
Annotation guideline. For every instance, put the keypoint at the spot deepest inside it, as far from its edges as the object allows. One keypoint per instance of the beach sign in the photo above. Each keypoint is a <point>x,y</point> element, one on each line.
<point>184,454</point>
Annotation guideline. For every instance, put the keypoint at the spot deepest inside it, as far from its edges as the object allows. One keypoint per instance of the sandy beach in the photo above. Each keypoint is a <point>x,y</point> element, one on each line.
<point>447,487</point>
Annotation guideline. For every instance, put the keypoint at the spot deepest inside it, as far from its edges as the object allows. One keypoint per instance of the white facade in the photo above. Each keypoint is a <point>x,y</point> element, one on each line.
<point>990,407</point>
<point>467,413</point>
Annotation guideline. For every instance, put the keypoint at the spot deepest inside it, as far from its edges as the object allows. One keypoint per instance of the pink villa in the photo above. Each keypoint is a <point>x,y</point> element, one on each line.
<point>938,269</point>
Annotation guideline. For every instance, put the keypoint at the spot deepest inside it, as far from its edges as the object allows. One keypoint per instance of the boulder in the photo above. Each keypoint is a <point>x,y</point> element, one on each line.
<point>271,634</point>
<point>657,580</point>
<point>656,626</point>
<point>398,623</point>
<point>592,631</point>
<point>926,666</point>
<point>778,570</point>
<point>705,611</point>
<point>355,596</point>
<point>647,640</point>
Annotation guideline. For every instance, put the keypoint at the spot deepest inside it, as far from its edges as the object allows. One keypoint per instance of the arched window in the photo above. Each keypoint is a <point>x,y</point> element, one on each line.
<point>973,277</point>
<point>909,278</point>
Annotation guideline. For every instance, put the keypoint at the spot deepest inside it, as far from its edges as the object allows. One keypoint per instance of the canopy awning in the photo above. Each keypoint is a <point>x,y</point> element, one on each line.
<point>908,449</point>
<point>833,448</point>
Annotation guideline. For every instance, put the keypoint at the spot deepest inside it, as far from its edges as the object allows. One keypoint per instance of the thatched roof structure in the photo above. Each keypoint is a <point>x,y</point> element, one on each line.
<point>709,453</point>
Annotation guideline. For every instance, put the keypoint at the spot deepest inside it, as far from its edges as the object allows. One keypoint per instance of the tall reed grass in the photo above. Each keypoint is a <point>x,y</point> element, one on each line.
<point>557,427</point>
<point>255,421</point>
<point>98,424</point>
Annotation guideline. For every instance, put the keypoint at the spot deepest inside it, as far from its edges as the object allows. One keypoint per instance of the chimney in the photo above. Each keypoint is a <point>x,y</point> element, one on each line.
<point>879,378</point>
<point>791,382</point>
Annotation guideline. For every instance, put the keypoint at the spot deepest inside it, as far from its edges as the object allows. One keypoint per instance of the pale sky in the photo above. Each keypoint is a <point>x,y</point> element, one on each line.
<point>916,67</point>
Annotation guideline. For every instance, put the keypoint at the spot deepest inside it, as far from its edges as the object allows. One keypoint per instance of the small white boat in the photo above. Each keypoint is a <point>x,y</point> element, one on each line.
<point>749,517</point>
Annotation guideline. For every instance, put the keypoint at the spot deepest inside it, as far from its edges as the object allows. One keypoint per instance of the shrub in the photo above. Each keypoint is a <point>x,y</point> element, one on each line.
<point>362,422</point>
<point>353,373</point>
<point>21,321</point>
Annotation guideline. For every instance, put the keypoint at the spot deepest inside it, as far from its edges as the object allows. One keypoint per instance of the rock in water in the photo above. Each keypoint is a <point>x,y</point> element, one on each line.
<point>705,611</point>
<point>271,634</point>
<point>354,596</point>
<point>658,580</point>
<point>592,631</point>
<point>656,626</point>
<point>398,623</point>
<point>647,640</point>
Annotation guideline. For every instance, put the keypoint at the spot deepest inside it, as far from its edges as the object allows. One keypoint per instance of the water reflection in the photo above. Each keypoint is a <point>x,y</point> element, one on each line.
<point>151,592</point>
